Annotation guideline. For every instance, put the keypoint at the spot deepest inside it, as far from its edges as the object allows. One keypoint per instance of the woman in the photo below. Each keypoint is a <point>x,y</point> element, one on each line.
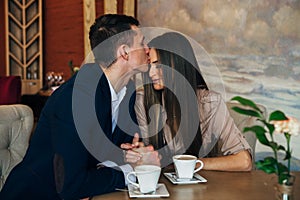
<point>168,115</point>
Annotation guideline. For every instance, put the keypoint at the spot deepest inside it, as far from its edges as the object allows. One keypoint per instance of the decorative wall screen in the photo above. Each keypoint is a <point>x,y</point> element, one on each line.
<point>24,42</point>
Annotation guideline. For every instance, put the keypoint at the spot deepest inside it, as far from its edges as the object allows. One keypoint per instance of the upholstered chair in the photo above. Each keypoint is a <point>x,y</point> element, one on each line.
<point>16,122</point>
<point>243,121</point>
<point>10,90</point>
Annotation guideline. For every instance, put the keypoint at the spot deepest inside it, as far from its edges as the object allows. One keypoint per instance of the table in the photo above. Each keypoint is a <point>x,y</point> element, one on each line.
<point>220,185</point>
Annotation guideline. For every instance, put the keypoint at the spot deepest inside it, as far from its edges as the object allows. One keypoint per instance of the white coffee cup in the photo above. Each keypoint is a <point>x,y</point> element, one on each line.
<point>185,166</point>
<point>147,176</point>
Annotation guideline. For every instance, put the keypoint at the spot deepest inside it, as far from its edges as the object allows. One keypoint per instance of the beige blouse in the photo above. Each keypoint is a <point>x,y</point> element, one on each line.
<point>219,132</point>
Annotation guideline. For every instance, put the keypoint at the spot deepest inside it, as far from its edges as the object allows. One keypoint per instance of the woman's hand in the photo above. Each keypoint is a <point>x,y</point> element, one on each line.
<point>137,153</point>
<point>142,156</point>
<point>132,156</point>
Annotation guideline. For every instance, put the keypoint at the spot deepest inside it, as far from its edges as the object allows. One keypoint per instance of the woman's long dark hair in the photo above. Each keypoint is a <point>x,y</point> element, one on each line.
<point>175,52</point>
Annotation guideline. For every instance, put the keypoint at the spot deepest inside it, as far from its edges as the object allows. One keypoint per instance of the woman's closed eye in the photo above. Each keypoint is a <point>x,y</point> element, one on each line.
<point>158,66</point>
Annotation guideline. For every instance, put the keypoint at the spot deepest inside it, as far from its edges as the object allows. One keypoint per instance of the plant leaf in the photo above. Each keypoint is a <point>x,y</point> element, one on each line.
<point>287,155</point>
<point>280,147</point>
<point>277,115</point>
<point>282,177</point>
<point>246,111</point>
<point>270,160</point>
<point>70,63</point>
<point>282,168</point>
<point>274,145</point>
<point>260,134</point>
<point>282,173</point>
<point>246,102</point>
<point>270,127</point>
<point>268,165</point>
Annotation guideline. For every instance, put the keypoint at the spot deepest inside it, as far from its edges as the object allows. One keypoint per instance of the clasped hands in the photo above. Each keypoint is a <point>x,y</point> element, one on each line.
<point>137,153</point>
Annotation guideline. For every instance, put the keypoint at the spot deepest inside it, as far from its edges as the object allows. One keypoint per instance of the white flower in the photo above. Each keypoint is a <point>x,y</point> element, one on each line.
<point>294,126</point>
<point>290,126</point>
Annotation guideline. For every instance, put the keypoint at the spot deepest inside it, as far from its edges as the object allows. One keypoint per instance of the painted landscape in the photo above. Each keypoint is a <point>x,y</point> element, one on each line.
<point>252,48</point>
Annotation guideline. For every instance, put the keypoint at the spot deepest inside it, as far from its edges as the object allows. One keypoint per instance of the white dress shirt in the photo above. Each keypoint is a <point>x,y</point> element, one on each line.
<point>116,99</point>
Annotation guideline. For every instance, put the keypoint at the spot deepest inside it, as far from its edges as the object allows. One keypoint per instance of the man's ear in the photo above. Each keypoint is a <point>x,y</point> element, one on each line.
<point>123,52</point>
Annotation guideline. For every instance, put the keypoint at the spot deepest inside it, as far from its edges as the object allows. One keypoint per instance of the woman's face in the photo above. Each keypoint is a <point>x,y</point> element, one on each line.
<point>155,71</point>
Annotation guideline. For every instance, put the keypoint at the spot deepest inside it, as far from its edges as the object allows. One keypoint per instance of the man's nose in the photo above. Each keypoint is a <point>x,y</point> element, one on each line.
<point>147,49</point>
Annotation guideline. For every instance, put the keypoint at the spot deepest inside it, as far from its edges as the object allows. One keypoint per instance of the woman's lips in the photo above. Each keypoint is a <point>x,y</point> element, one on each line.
<point>156,81</point>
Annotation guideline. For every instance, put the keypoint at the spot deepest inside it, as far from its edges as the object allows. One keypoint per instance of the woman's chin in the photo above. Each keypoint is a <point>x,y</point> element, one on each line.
<point>158,87</point>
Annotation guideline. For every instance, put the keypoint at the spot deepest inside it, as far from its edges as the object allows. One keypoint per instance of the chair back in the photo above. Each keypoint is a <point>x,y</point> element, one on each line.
<point>10,90</point>
<point>16,123</point>
<point>243,121</point>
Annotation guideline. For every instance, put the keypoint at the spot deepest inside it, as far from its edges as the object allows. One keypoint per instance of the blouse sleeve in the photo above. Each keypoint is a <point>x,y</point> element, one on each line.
<point>218,124</point>
<point>141,116</point>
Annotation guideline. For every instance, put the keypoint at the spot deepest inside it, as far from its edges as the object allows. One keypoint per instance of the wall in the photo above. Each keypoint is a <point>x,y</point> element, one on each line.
<point>255,46</point>
<point>63,35</point>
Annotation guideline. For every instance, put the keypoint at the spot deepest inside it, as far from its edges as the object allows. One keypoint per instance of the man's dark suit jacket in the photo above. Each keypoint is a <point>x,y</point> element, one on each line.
<point>57,165</point>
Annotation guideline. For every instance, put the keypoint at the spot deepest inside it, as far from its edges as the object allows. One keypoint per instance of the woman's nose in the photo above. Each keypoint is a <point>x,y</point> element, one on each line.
<point>152,70</point>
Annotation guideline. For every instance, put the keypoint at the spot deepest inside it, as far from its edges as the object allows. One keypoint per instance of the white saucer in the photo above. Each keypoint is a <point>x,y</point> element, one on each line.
<point>161,191</point>
<point>196,179</point>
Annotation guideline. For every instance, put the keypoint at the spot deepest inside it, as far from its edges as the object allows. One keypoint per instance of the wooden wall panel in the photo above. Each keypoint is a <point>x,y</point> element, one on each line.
<point>2,40</point>
<point>63,35</point>
<point>89,15</point>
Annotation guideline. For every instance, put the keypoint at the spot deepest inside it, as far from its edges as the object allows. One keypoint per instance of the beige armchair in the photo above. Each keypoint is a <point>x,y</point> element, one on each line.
<point>243,121</point>
<point>16,122</point>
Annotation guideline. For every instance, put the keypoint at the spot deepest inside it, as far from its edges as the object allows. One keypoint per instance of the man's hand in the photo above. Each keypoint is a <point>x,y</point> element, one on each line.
<point>149,156</point>
<point>135,143</point>
<point>139,154</point>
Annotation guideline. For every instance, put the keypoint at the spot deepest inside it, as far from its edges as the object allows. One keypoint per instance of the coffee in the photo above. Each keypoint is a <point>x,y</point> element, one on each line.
<point>185,158</point>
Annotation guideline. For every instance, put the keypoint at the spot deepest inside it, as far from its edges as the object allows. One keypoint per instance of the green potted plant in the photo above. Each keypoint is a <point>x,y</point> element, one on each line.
<point>276,123</point>
<point>73,68</point>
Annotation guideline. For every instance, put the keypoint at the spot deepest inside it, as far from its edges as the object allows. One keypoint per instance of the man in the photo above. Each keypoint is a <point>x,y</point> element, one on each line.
<point>62,161</point>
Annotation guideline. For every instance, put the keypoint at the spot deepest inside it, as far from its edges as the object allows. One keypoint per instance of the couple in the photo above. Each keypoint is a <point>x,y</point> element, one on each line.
<point>86,121</point>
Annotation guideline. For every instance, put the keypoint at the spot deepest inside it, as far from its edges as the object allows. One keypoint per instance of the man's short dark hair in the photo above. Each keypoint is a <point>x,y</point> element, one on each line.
<point>105,27</point>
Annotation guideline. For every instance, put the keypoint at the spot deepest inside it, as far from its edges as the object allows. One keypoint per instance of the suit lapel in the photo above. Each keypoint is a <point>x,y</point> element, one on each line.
<point>103,106</point>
